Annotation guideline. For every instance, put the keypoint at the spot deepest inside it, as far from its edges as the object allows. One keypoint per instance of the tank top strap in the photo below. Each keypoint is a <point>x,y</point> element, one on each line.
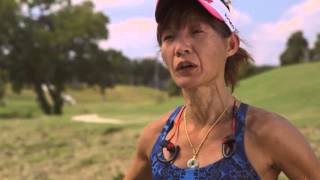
<point>169,123</point>
<point>240,115</point>
<point>240,130</point>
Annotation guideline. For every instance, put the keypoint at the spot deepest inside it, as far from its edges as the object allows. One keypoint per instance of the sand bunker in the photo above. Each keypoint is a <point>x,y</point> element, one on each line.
<point>94,118</point>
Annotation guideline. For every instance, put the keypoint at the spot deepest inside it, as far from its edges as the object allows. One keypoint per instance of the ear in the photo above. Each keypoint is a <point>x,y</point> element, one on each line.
<point>233,44</point>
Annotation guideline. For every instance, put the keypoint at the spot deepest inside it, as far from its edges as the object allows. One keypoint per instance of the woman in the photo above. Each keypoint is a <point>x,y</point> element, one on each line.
<point>214,136</point>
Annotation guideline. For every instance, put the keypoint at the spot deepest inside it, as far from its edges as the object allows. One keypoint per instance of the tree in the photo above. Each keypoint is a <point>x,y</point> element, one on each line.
<point>49,43</point>
<point>9,19</point>
<point>3,81</point>
<point>102,71</point>
<point>121,66</point>
<point>315,52</point>
<point>297,50</point>
<point>249,69</point>
<point>147,71</point>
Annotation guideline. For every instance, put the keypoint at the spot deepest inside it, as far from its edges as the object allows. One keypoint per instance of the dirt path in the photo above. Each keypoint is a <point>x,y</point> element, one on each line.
<point>94,118</point>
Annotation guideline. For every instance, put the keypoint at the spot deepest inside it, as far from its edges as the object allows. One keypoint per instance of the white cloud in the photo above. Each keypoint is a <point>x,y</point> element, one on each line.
<point>269,39</point>
<point>241,19</point>
<point>306,7</point>
<point>104,4</point>
<point>134,37</point>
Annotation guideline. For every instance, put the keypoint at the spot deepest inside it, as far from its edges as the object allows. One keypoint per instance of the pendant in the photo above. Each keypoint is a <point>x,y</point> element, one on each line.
<point>193,163</point>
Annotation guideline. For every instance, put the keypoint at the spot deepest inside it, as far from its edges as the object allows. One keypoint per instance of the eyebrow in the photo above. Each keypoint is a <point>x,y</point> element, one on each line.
<point>195,25</point>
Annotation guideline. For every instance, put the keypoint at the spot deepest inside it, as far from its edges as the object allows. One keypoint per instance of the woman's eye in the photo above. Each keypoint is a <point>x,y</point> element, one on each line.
<point>167,37</point>
<point>197,31</point>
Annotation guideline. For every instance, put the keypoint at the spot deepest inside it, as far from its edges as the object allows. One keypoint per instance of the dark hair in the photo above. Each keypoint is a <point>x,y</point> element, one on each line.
<point>177,14</point>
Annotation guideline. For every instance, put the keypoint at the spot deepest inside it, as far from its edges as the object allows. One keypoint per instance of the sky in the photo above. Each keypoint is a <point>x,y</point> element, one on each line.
<point>264,26</point>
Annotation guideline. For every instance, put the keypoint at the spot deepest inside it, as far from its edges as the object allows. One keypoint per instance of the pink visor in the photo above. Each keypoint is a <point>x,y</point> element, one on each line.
<point>215,7</point>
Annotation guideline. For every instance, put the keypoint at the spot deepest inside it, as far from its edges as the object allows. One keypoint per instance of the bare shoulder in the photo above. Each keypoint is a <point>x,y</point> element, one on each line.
<point>270,128</point>
<point>280,141</point>
<point>266,124</point>
<point>140,168</point>
<point>151,132</point>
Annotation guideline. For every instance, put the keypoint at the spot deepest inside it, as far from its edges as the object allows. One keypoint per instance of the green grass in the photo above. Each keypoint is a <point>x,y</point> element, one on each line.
<point>35,146</point>
<point>292,91</point>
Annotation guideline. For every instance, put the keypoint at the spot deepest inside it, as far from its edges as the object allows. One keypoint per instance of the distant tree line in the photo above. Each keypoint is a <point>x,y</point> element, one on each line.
<point>112,67</point>
<point>298,51</point>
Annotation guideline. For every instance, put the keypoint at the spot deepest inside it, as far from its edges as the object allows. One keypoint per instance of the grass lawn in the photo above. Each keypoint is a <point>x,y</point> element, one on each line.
<point>35,146</point>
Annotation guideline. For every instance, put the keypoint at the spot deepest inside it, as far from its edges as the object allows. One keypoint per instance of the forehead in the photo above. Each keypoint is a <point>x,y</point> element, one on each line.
<point>182,14</point>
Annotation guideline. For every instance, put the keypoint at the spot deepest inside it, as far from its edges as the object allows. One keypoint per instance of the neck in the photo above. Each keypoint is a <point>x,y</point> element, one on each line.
<point>205,104</point>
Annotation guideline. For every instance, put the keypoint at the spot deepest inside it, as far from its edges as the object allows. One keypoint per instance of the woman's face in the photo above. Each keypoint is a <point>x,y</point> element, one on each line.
<point>195,54</point>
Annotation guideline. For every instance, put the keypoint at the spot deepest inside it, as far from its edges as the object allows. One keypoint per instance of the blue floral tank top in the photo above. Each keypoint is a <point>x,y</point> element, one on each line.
<point>235,167</point>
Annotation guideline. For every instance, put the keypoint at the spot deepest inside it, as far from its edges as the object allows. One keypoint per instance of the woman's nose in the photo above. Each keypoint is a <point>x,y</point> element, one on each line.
<point>181,52</point>
<point>183,45</point>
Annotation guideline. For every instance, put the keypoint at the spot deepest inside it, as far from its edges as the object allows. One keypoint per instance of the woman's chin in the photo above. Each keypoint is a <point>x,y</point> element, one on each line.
<point>186,84</point>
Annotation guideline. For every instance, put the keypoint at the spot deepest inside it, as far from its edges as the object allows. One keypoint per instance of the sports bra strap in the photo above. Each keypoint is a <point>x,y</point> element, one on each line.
<point>240,119</point>
<point>169,123</point>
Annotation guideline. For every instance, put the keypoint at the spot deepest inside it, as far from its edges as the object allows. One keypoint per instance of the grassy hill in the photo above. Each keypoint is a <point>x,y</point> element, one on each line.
<point>35,146</point>
<point>293,91</point>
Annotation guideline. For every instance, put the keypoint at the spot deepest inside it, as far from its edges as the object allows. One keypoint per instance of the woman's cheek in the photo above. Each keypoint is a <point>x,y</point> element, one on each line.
<point>166,58</point>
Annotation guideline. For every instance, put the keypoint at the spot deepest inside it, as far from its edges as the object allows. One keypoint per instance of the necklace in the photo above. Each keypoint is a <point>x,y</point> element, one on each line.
<point>193,162</point>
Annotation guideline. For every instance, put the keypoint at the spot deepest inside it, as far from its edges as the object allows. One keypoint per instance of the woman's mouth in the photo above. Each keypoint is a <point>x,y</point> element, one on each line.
<point>185,65</point>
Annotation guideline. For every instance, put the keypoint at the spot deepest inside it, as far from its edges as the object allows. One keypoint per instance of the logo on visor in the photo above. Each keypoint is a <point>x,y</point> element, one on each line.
<point>209,1</point>
<point>229,21</point>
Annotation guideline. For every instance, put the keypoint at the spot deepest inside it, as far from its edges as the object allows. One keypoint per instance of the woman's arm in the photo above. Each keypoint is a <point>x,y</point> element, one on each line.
<point>141,167</point>
<point>289,150</point>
